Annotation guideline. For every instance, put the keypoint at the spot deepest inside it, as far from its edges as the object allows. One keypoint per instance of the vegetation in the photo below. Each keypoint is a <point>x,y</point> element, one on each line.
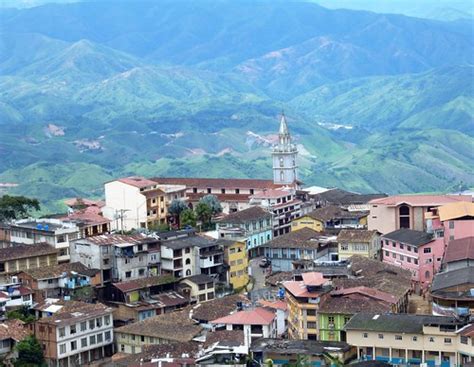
<point>204,214</point>
<point>176,207</point>
<point>30,353</point>
<point>16,207</point>
<point>22,314</point>
<point>213,203</point>
<point>187,218</point>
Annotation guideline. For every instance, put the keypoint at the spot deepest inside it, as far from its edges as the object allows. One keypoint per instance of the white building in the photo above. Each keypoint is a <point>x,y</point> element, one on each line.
<point>137,202</point>
<point>284,157</point>
<point>55,232</point>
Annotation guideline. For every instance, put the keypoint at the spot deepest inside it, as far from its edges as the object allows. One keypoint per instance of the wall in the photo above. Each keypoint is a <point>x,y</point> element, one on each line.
<point>236,257</point>
<point>307,222</point>
<point>382,218</point>
<point>122,196</point>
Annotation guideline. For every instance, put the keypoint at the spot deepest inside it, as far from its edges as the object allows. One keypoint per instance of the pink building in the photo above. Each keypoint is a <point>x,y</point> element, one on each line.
<point>419,252</point>
<point>407,211</point>
<point>451,221</point>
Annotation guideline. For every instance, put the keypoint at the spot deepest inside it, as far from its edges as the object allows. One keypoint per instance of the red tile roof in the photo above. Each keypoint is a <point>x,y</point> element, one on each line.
<point>313,279</point>
<point>299,289</point>
<point>456,210</point>
<point>277,305</point>
<point>369,292</point>
<point>135,284</point>
<point>14,329</point>
<point>219,183</point>
<point>421,200</point>
<point>271,194</point>
<point>116,239</point>
<point>86,202</point>
<point>140,182</point>
<point>467,330</point>
<point>89,216</point>
<point>460,249</point>
<point>257,316</point>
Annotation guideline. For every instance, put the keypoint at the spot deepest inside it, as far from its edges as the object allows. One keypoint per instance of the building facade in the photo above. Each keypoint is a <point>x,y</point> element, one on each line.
<point>358,242</point>
<point>55,232</point>
<point>253,225</point>
<point>236,258</point>
<point>284,156</point>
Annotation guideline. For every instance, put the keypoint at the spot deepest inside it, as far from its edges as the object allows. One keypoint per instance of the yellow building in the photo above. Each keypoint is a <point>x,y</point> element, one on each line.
<point>331,217</point>
<point>236,257</point>
<point>358,242</point>
<point>303,299</point>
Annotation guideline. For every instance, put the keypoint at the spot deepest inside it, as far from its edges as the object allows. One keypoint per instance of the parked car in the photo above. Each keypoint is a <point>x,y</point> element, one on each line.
<point>264,263</point>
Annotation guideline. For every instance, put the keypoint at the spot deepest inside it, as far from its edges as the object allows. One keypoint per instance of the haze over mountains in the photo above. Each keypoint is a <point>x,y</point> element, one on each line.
<point>92,90</point>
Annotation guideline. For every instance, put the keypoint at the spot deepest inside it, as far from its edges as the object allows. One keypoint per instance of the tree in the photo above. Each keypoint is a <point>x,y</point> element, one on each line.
<point>16,207</point>
<point>30,353</point>
<point>187,218</point>
<point>175,209</point>
<point>22,314</point>
<point>212,202</point>
<point>204,213</point>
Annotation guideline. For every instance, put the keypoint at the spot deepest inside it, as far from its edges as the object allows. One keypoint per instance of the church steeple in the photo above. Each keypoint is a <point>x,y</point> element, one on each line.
<point>284,156</point>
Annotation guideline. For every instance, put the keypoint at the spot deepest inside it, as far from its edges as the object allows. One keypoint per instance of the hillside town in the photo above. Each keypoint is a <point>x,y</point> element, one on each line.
<point>185,271</point>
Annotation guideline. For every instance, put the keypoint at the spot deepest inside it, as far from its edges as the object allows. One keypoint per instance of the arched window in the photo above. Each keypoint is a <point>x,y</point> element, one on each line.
<point>188,261</point>
<point>404,216</point>
<point>427,275</point>
<point>282,176</point>
<point>188,273</point>
<point>281,162</point>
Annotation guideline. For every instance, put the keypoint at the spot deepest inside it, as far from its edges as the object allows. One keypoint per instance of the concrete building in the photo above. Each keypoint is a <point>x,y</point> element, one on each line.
<point>11,332</point>
<point>187,254</point>
<point>76,333</point>
<point>174,327</point>
<point>284,154</point>
<point>305,244</point>
<point>138,202</point>
<point>304,298</point>
<point>407,211</point>
<point>459,254</point>
<point>292,352</point>
<point>233,193</point>
<point>55,232</point>
<point>452,292</point>
<point>283,204</point>
<point>118,257</point>
<point>416,251</point>
<point>236,258</point>
<point>331,218</point>
<point>405,338</point>
<point>198,288</point>
<point>60,281</point>
<point>358,242</point>
<point>255,323</point>
<point>253,225</point>
<point>14,296</point>
<point>21,257</point>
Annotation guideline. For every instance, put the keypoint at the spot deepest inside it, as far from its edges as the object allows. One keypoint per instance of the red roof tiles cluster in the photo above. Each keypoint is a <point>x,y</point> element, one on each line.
<point>257,316</point>
<point>460,249</point>
<point>421,200</point>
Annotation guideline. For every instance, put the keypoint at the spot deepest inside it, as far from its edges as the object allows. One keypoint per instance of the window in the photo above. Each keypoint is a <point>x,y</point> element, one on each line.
<point>141,272</point>
<point>415,338</point>
<point>99,338</point>
<point>331,319</point>
<point>83,342</point>
<point>237,191</point>
<point>73,345</point>
<point>344,247</point>
<point>107,320</point>
<point>62,348</point>
<point>72,329</point>
<point>210,296</point>
<point>187,261</point>
<point>310,312</point>
<point>402,258</point>
<point>98,321</point>
<point>106,261</point>
<point>380,336</point>
<point>202,297</point>
<point>451,224</point>
<point>122,348</point>
<point>431,339</point>
<point>447,340</point>
<point>387,253</point>
<point>26,298</point>
<point>404,216</point>
<point>427,274</point>
<point>401,246</point>
<point>409,248</point>
<point>408,259</point>
<point>105,250</point>
<point>415,261</point>
<point>311,325</point>
<point>91,324</point>
<point>222,191</point>
<point>62,332</point>
<point>201,287</point>
<point>398,337</point>
<point>92,340</point>
<point>394,255</point>
<point>209,190</point>
<point>464,339</point>
<point>427,250</point>
<point>187,250</point>
<point>365,335</point>
<point>107,336</point>
<point>128,274</point>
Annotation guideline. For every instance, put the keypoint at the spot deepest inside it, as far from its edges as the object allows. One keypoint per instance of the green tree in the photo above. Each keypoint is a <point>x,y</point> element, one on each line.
<point>212,202</point>
<point>204,213</point>
<point>22,314</point>
<point>187,218</point>
<point>30,353</point>
<point>16,207</point>
<point>175,209</point>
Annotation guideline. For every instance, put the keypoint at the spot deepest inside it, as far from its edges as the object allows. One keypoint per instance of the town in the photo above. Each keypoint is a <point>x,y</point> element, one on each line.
<point>244,272</point>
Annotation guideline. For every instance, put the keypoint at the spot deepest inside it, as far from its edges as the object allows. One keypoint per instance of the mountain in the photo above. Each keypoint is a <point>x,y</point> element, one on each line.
<point>440,98</point>
<point>95,90</point>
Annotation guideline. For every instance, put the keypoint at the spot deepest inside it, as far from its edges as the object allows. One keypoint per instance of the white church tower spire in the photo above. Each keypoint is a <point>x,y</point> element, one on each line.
<point>284,156</point>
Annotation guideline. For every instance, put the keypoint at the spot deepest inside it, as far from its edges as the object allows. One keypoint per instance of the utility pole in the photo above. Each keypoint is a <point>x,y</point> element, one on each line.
<point>121,216</point>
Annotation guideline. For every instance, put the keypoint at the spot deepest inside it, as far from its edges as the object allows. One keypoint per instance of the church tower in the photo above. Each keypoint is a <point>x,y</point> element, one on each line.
<point>284,157</point>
